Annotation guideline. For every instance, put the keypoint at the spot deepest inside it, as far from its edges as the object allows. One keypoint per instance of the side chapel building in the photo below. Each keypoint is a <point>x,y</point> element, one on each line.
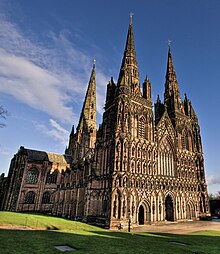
<point>141,165</point>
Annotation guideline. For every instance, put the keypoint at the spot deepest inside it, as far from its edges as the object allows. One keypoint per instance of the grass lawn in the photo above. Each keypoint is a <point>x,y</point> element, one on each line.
<point>89,239</point>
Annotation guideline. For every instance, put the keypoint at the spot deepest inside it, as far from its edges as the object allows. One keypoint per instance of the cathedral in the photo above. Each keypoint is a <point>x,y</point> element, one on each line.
<point>143,165</point>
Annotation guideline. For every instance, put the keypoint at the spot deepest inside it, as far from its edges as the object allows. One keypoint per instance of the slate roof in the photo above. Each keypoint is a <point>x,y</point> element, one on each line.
<point>36,155</point>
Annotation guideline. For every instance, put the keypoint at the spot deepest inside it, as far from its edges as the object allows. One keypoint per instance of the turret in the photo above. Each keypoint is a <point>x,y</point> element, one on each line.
<point>159,109</point>
<point>110,94</point>
<point>147,89</point>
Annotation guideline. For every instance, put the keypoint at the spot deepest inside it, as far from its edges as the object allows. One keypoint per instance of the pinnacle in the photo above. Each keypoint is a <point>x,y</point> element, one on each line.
<point>158,99</point>
<point>146,79</point>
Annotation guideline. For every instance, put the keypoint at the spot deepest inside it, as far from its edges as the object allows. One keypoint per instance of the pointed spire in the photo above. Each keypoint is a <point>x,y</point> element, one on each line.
<point>172,95</point>
<point>170,74</point>
<point>92,76</point>
<point>130,36</point>
<point>87,122</point>
<point>72,131</point>
<point>129,68</point>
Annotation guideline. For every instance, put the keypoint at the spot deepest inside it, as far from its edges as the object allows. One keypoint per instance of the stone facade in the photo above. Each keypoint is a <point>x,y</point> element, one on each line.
<point>32,180</point>
<point>141,166</point>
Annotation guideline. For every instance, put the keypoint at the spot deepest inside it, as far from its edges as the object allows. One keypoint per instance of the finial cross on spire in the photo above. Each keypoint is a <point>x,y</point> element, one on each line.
<point>131,15</point>
<point>169,43</point>
<point>94,61</point>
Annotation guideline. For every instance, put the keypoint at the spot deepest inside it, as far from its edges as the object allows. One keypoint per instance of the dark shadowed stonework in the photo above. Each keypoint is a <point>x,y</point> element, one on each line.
<point>139,166</point>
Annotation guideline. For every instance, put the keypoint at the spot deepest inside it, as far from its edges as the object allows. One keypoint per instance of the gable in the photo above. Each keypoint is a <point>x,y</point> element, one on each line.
<point>165,128</point>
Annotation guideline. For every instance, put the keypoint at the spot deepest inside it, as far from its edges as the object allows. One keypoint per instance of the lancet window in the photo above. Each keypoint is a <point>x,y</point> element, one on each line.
<point>30,197</point>
<point>46,197</point>
<point>141,128</point>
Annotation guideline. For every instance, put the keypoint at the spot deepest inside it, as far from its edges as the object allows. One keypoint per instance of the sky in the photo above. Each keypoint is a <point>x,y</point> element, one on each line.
<point>47,49</point>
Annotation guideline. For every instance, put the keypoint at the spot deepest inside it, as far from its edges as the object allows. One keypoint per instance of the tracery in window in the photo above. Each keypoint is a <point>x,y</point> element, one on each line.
<point>32,176</point>
<point>165,159</point>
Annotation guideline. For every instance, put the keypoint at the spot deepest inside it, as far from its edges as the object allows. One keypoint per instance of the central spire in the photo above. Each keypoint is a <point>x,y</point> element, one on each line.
<point>172,98</point>
<point>129,75</point>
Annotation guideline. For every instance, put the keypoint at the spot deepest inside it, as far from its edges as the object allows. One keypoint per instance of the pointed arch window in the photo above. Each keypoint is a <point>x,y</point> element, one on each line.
<point>133,151</point>
<point>46,197</point>
<point>141,128</point>
<point>51,177</point>
<point>30,197</point>
<point>132,167</point>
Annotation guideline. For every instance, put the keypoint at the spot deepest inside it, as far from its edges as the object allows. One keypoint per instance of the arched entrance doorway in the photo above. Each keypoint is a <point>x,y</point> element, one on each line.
<point>169,209</point>
<point>141,215</point>
<point>190,212</point>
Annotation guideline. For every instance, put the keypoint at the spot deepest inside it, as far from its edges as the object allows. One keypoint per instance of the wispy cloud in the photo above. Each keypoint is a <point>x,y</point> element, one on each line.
<point>4,151</point>
<point>55,130</point>
<point>211,179</point>
<point>50,77</point>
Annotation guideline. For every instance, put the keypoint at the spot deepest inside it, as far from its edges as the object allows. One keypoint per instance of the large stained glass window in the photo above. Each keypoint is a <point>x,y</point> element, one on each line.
<point>32,176</point>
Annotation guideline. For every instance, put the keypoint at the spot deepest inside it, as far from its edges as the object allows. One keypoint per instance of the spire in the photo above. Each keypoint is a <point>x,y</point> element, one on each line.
<point>87,122</point>
<point>172,95</point>
<point>170,74</point>
<point>129,75</point>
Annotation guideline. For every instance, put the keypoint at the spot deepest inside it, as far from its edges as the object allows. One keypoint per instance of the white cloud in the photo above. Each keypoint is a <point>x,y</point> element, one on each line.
<point>211,179</point>
<point>5,151</point>
<point>46,77</point>
<point>55,130</point>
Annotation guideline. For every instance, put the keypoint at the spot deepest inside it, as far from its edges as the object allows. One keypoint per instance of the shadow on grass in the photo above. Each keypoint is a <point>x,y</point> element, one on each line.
<point>43,241</point>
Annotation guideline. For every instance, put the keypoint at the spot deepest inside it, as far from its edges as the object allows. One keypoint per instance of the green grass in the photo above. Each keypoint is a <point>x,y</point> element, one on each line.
<point>90,239</point>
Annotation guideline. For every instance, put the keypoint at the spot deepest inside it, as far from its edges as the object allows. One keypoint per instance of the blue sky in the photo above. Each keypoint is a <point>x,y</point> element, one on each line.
<point>47,49</point>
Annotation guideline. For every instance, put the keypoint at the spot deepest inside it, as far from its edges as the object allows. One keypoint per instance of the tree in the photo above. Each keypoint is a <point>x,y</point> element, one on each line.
<point>3,114</point>
<point>215,196</point>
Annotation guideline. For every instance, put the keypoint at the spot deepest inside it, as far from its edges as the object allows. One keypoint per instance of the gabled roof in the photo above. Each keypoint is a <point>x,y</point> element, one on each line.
<point>36,155</point>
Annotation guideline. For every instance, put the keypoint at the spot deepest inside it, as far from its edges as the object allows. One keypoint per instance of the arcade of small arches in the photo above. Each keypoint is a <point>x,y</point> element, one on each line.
<point>149,183</point>
<point>160,207</point>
